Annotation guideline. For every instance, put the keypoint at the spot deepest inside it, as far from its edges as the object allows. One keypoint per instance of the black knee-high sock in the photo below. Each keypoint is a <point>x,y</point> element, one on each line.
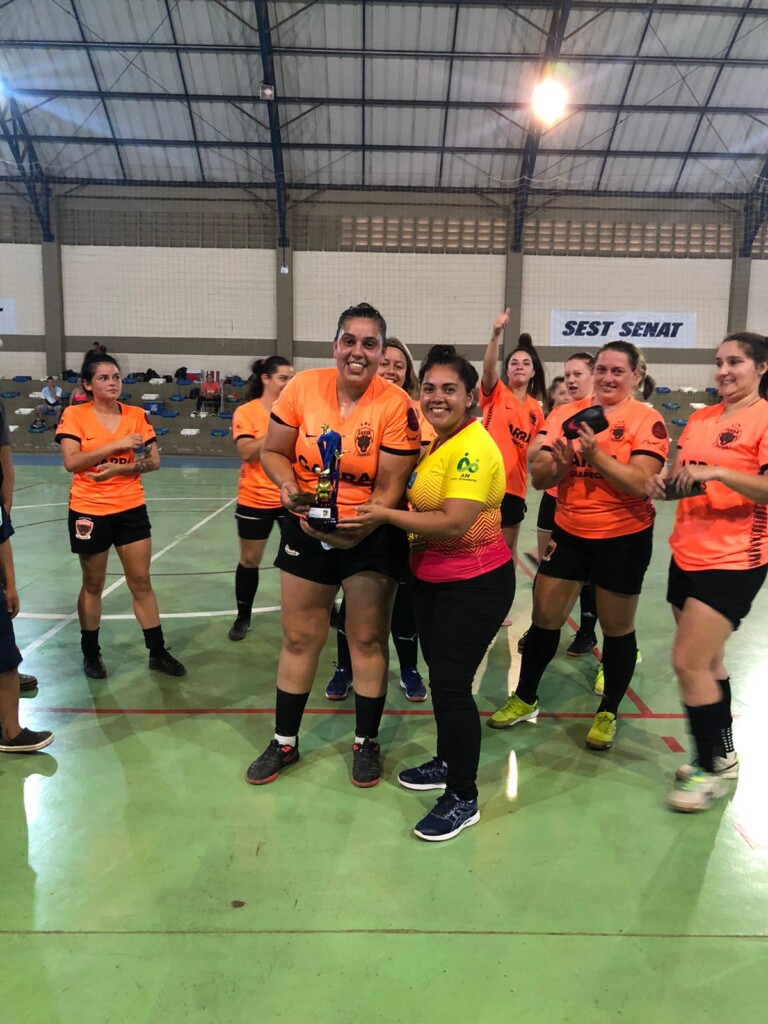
<point>343,657</point>
<point>404,630</point>
<point>89,642</point>
<point>619,657</point>
<point>727,719</point>
<point>540,648</point>
<point>246,585</point>
<point>154,640</point>
<point>706,723</point>
<point>289,708</point>
<point>368,712</point>
<point>588,606</point>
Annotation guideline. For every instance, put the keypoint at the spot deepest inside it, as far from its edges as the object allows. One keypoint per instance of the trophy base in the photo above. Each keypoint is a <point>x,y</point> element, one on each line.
<point>323,518</point>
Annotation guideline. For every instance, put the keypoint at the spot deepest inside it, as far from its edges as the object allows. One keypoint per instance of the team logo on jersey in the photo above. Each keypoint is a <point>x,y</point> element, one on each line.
<point>532,417</point>
<point>363,439</point>
<point>465,465</point>
<point>413,419</point>
<point>728,436</point>
<point>617,432</point>
<point>83,528</point>
<point>659,430</point>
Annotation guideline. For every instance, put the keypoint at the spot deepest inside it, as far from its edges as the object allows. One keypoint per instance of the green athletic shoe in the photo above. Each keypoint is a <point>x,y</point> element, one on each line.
<point>513,711</point>
<point>603,731</point>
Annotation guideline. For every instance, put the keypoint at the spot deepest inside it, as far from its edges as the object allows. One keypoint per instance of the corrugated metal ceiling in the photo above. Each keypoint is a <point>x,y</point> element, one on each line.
<point>408,95</point>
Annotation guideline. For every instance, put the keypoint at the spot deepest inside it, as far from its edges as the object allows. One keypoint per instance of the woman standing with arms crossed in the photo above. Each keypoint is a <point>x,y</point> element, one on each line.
<point>719,555</point>
<point>397,367</point>
<point>512,415</point>
<point>99,443</point>
<point>464,579</point>
<point>258,500</point>
<point>603,532</point>
<point>379,443</point>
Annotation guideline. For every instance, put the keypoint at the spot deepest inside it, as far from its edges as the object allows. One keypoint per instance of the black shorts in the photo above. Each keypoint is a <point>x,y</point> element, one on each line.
<point>384,551</point>
<point>10,658</point>
<point>513,510</point>
<point>546,518</point>
<point>729,591</point>
<point>256,523</point>
<point>89,535</point>
<point>617,564</point>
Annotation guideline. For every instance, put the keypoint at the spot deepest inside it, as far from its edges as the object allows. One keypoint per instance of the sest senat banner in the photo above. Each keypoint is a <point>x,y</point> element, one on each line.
<point>647,330</point>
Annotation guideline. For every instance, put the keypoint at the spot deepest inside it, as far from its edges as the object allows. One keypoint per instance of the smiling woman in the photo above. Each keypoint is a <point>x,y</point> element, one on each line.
<point>99,446</point>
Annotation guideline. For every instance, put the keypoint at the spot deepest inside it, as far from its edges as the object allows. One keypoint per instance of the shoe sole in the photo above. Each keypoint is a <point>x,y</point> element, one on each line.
<point>509,725</point>
<point>27,749</point>
<point>413,700</point>
<point>729,773</point>
<point>364,785</point>
<point>440,839</point>
<point>421,786</point>
<point>270,778</point>
<point>334,696</point>
<point>93,675</point>
<point>580,654</point>
<point>172,675</point>
<point>722,789</point>
<point>591,745</point>
<point>239,636</point>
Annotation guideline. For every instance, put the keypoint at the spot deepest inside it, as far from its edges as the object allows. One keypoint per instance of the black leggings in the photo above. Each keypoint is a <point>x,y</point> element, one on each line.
<point>403,630</point>
<point>457,623</point>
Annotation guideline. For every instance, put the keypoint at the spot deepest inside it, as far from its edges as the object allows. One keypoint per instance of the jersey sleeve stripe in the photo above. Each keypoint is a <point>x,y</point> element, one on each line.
<point>60,437</point>
<point>277,419</point>
<point>237,437</point>
<point>398,451</point>
<point>642,451</point>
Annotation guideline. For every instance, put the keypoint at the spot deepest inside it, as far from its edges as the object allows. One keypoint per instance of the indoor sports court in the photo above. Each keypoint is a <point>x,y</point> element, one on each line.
<point>197,183</point>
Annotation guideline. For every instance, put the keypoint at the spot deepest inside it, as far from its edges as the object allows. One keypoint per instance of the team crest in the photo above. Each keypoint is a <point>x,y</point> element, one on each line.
<point>617,432</point>
<point>83,528</point>
<point>363,439</point>
<point>658,430</point>
<point>532,418</point>
<point>728,436</point>
<point>413,420</point>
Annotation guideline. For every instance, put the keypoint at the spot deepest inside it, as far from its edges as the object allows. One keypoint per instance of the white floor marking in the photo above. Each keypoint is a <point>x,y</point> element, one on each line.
<point>166,615</point>
<point>53,504</point>
<point>113,586</point>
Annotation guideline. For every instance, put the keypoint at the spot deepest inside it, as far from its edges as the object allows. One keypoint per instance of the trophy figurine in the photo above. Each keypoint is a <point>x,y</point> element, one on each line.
<point>323,513</point>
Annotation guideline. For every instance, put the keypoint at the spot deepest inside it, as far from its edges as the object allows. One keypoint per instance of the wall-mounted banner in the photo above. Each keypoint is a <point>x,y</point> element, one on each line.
<point>648,330</point>
<point>7,316</point>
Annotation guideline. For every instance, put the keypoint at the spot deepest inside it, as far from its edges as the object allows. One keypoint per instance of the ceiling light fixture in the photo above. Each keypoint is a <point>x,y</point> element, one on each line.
<point>549,100</point>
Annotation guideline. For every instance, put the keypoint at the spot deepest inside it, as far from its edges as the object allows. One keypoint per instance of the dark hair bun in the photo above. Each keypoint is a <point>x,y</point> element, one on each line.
<point>525,341</point>
<point>441,352</point>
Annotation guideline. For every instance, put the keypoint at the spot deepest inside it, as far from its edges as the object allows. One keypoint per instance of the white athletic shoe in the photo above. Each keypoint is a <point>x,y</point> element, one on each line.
<point>696,793</point>
<point>725,768</point>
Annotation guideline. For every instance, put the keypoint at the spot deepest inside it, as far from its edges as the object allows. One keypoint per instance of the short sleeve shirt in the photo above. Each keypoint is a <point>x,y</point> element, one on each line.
<point>255,489</point>
<point>590,506</point>
<point>466,465</point>
<point>119,493</point>
<point>721,529</point>
<point>512,425</point>
<point>383,420</point>
<point>52,395</point>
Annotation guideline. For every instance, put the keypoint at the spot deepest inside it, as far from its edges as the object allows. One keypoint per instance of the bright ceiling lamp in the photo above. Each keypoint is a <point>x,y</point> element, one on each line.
<point>549,100</point>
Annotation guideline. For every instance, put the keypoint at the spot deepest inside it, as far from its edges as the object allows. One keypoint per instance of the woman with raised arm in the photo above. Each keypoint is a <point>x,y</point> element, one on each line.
<point>603,532</point>
<point>464,580</point>
<point>513,416</point>
<point>379,443</point>
<point>719,554</point>
<point>107,446</point>
<point>258,500</point>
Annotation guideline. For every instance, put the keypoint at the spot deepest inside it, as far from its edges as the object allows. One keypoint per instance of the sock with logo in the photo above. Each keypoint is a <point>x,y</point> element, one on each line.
<point>246,585</point>
<point>726,726</point>
<point>540,648</point>
<point>368,712</point>
<point>588,607</point>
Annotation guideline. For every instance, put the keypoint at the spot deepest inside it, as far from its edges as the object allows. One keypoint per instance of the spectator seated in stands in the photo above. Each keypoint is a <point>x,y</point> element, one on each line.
<point>210,393</point>
<point>51,402</point>
<point>79,394</point>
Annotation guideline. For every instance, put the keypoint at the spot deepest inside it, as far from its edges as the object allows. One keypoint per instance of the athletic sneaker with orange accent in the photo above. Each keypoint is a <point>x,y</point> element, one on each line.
<point>268,765</point>
<point>366,763</point>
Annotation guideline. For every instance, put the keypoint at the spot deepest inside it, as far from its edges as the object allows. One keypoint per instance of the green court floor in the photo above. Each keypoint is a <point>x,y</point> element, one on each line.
<point>144,881</point>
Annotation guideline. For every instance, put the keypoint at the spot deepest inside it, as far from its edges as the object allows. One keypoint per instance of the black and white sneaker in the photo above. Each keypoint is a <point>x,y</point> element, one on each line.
<point>166,663</point>
<point>240,628</point>
<point>430,775</point>
<point>366,763</point>
<point>447,818</point>
<point>268,765</point>
<point>27,742</point>
<point>94,667</point>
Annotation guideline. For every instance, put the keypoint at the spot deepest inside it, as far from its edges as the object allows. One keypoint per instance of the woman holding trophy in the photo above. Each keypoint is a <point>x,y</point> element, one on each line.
<point>338,438</point>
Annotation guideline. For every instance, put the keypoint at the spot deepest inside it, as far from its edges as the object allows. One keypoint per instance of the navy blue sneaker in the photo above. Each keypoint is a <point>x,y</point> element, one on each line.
<point>340,686</point>
<point>447,818</point>
<point>413,685</point>
<point>431,775</point>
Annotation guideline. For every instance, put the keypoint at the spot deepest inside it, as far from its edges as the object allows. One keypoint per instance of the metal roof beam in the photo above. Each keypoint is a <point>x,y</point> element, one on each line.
<point>245,144</point>
<point>14,131</point>
<point>755,210</point>
<point>275,134</point>
<point>133,46</point>
<point>447,114</point>
<point>352,101</point>
<point>183,78</point>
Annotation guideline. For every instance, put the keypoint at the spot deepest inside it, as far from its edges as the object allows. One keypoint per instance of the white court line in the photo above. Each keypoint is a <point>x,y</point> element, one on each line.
<point>113,586</point>
<point>54,504</point>
<point>166,615</point>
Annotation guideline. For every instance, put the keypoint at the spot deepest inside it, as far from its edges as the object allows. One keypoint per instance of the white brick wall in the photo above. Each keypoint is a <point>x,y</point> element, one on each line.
<point>21,278</point>
<point>757,315</point>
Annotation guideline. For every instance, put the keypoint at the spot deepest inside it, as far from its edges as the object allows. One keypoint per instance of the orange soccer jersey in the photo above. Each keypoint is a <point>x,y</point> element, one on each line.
<point>587,504</point>
<point>512,425</point>
<point>426,430</point>
<point>721,529</point>
<point>255,489</point>
<point>119,493</point>
<point>383,420</point>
